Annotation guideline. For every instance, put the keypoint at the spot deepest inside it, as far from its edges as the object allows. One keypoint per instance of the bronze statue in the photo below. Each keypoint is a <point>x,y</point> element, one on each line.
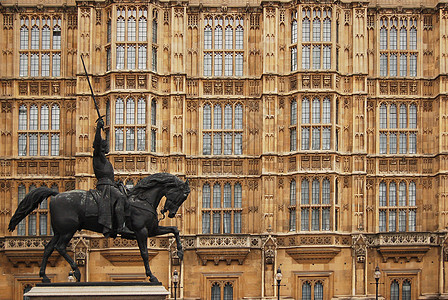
<point>75,210</point>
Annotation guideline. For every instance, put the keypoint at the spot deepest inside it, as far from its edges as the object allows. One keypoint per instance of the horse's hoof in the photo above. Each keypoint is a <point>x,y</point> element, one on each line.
<point>78,275</point>
<point>180,254</point>
<point>153,279</point>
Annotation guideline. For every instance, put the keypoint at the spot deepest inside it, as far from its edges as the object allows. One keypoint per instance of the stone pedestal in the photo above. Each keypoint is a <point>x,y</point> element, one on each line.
<point>98,290</point>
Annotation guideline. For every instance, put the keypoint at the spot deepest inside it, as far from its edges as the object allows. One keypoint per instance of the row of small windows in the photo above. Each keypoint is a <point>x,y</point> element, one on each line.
<point>37,136</point>
<point>398,118</point>
<point>223,42</point>
<point>127,29</point>
<point>131,136</point>
<point>407,28</point>
<point>223,137</point>
<point>316,21</point>
<point>221,211</point>
<point>397,207</point>
<point>45,33</point>
<point>314,207</point>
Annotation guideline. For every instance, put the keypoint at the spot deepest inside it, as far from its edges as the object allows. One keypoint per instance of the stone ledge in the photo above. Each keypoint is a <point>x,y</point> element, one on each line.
<point>313,254</point>
<point>404,252</point>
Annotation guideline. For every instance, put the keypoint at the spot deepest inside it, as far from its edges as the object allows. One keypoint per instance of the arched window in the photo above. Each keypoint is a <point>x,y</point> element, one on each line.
<point>239,35</point>
<point>403,38</point>
<point>413,116</point>
<point>306,28</point>
<point>237,196</point>
<point>131,28</point>
<point>316,25</point>
<point>119,111</point>
<point>206,196</point>
<point>393,116</point>
<point>154,31</point>
<point>55,117</point>
<point>229,37</point>
<point>326,191</point>
<point>293,112</point>
<point>207,37</point>
<point>383,35</point>
<point>44,113</point>
<point>305,111</point>
<point>305,195</point>
<point>23,117</point>
<point>382,194</point>
<point>217,117</point>
<point>228,291</point>
<point>120,28</point>
<point>33,117</point>
<point>153,112</point>
<point>413,39</point>
<point>24,37</point>
<point>306,291</point>
<point>316,110</point>
<point>316,192</point>
<point>383,116</point>
<point>35,38</point>
<point>327,29</point>
<point>216,292</point>
<point>218,37</point>
<point>141,111</point>
<point>392,194</point>
<point>294,31</point>
<point>406,290</point>
<point>238,116</point>
<point>119,139</point>
<point>207,117</point>
<point>318,291</point>
<point>402,194</point>
<point>394,290</point>
<point>142,29</point>
<point>292,193</point>
<point>228,116</point>
<point>393,38</point>
<point>412,194</point>
<point>326,111</point>
<point>403,116</point>
<point>130,111</point>
<point>216,195</point>
<point>227,200</point>
<point>46,37</point>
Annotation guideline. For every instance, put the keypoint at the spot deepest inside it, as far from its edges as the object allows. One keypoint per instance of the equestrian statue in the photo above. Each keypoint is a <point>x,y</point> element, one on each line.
<point>110,209</point>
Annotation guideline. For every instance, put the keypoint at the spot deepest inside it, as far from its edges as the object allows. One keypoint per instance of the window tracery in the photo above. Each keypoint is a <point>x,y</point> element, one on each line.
<point>223,45</point>
<point>129,134</point>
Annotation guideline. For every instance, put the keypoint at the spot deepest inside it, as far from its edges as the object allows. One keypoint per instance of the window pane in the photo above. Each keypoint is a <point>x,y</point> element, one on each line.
<point>393,65</point>
<point>316,110</point>
<point>316,57</point>
<point>305,194</point>
<point>208,37</point>
<point>228,292</point>
<point>131,57</point>
<point>237,196</point>
<point>153,140</point>
<point>217,117</point>
<point>141,111</point>
<point>44,144</point>
<point>412,194</point>
<point>45,64</point>
<point>403,65</point>
<point>327,57</point>
<point>33,144</point>
<point>43,224</point>
<point>326,111</point>
<point>325,219</point>
<point>382,194</point>
<point>383,143</point>
<point>228,143</point>
<point>383,38</point>
<point>294,32</point>
<point>217,143</point>
<point>22,147</point>
<point>142,57</point>
<point>305,138</point>
<point>304,222</point>
<point>120,29</point>
<point>318,291</point>
<point>119,139</point>
<point>32,225</point>
<point>228,64</point>
<point>316,29</point>
<point>293,58</point>
<point>413,65</point>
<point>141,139</point>
<point>218,64</point>
<point>392,220</point>
<point>306,291</point>
<point>119,111</point>
<point>206,196</point>
<point>326,138</point>
<point>229,37</point>
<point>413,116</point>
<point>306,30</point>
<point>239,38</point>
<point>327,30</point>
<point>306,57</point>
<point>227,203</point>
<point>216,222</point>
<point>403,143</point>
<point>412,220</point>
<point>130,111</point>
<point>120,57</point>
<point>326,191</point>
<point>316,138</point>
<point>130,139</point>
<point>382,221</point>
<point>315,192</point>
<point>237,222</point>
<point>393,143</point>
<point>217,196</point>
<point>227,222</point>
<point>34,65</point>
<point>306,111</point>
<point>207,144</point>
<point>23,65</point>
<point>394,291</point>
<point>292,220</point>
<point>315,219</point>
<point>239,64</point>
<point>392,194</point>
<point>142,29</point>
<point>216,292</point>
<point>293,139</point>
<point>402,221</point>
<point>393,38</point>
<point>218,37</point>
<point>24,37</point>
<point>131,29</point>
<point>292,193</point>
<point>238,147</point>
<point>406,292</point>
<point>293,116</point>
<point>238,116</point>
<point>383,65</point>
<point>205,222</point>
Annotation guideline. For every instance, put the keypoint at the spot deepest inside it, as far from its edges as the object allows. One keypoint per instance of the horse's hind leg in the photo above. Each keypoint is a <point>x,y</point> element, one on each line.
<point>61,246</point>
<point>49,248</point>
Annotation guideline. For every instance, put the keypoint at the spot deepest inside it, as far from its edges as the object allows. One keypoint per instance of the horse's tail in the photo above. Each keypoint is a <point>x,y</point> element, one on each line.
<point>29,203</point>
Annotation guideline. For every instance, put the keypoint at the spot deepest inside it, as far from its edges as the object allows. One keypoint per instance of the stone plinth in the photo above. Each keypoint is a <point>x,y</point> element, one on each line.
<point>98,290</point>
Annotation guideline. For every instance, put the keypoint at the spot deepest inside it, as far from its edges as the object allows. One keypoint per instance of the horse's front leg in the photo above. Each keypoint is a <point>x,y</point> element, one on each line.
<point>142,240</point>
<point>171,229</point>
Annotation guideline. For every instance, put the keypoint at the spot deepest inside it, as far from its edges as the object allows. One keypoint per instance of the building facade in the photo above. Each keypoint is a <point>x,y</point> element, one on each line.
<point>313,133</point>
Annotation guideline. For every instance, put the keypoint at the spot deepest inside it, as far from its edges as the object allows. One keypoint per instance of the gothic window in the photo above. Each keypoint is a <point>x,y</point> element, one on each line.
<point>397,215</point>
<point>312,290</point>
<point>315,205</point>
<point>154,59</point>
<point>316,38</point>
<point>400,289</point>
<point>37,222</point>
<point>40,51</point>
<point>225,138</point>
<point>221,210</point>
<point>223,42</point>
<point>36,135</point>
<point>130,136</point>
<point>398,53</point>
<point>399,135</point>
<point>131,27</point>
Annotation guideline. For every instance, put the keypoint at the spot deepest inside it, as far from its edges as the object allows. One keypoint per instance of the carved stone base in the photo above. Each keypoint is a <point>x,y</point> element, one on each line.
<point>98,290</point>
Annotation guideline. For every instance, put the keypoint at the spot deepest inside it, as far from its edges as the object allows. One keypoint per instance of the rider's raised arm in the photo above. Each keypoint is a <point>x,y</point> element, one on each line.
<point>98,139</point>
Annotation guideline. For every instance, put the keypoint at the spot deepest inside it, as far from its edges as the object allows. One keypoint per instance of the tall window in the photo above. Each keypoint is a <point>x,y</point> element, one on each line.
<point>314,209</point>
<point>38,130</point>
<point>37,223</point>
<point>131,37</point>
<point>130,124</point>
<point>397,206</point>
<point>398,128</point>
<point>223,46</point>
<point>228,136</point>
<point>315,131</point>
<point>221,208</point>
<point>398,46</point>
<point>40,51</point>
<point>316,38</point>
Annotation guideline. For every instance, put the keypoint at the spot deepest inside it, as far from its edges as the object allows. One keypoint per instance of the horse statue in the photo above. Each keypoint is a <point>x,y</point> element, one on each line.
<point>72,211</point>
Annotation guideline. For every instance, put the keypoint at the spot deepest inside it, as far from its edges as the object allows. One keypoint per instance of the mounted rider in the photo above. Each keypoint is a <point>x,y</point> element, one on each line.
<point>113,201</point>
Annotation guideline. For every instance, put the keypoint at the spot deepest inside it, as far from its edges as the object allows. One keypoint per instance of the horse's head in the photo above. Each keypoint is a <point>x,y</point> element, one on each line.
<point>175,196</point>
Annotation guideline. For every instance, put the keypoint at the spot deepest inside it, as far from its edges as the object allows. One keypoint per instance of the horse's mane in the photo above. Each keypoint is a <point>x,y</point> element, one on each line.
<point>165,179</point>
